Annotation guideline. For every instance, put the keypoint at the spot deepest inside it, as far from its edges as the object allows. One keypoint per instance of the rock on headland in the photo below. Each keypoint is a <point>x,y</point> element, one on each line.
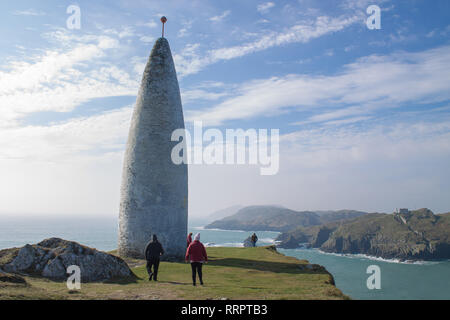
<point>11,278</point>
<point>248,242</point>
<point>50,258</point>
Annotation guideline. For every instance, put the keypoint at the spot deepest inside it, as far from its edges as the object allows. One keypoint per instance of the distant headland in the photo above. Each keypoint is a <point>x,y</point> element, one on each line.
<point>403,235</point>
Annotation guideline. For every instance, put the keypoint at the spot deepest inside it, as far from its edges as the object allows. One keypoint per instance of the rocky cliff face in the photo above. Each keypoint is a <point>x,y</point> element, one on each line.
<point>51,258</point>
<point>417,235</point>
<point>313,236</point>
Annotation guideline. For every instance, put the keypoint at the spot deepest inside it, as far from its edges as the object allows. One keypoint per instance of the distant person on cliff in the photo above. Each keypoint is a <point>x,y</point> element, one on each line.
<point>196,255</point>
<point>153,251</point>
<point>189,239</point>
<point>254,239</point>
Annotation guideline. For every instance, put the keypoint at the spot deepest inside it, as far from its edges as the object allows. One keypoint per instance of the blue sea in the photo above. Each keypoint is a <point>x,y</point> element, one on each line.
<point>420,280</point>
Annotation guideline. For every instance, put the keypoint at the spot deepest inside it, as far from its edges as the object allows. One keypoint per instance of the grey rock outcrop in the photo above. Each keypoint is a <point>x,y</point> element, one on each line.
<point>51,258</point>
<point>290,243</point>
<point>154,192</point>
<point>11,278</point>
<point>248,242</point>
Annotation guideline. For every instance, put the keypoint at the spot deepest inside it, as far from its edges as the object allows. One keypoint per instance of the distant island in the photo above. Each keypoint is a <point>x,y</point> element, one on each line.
<point>277,218</point>
<point>407,235</point>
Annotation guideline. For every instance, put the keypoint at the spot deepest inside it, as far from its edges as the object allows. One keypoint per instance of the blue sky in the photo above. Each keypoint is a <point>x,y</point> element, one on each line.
<point>364,115</point>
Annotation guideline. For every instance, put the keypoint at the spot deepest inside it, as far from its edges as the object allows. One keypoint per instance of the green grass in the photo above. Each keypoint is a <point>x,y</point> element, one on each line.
<point>232,273</point>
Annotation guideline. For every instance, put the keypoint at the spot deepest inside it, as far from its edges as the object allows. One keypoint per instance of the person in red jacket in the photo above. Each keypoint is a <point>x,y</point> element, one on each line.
<point>189,239</point>
<point>196,254</point>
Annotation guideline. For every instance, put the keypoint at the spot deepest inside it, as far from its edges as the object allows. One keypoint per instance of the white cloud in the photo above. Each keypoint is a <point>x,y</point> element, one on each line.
<point>151,24</point>
<point>265,7</point>
<point>220,17</point>
<point>198,94</point>
<point>58,80</point>
<point>73,167</point>
<point>69,141</point>
<point>370,83</point>
<point>207,90</point>
<point>147,39</point>
<point>190,61</point>
<point>336,114</point>
<point>263,21</point>
<point>184,31</point>
<point>347,121</point>
<point>360,4</point>
<point>329,52</point>
<point>83,157</point>
<point>29,12</point>
<point>125,32</point>
<point>333,146</point>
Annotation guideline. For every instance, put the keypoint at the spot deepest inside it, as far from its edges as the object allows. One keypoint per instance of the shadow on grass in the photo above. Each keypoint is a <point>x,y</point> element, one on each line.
<point>277,267</point>
<point>177,283</point>
<point>123,281</point>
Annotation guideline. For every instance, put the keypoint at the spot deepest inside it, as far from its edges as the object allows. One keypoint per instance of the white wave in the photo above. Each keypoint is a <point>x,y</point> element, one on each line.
<point>214,229</point>
<point>229,230</point>
<point>267,240</point>
<point>226,244</point>
<point>368,257</point>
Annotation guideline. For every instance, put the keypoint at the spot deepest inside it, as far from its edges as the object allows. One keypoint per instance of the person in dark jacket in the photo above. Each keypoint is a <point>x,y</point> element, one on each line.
<point>196,254</point>
<point>153,251</point>
<point>254,239</point>
<point>189,239</point>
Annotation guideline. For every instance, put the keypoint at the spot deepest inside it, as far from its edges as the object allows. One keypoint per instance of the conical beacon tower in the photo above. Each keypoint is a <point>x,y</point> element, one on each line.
<point>154,192</point>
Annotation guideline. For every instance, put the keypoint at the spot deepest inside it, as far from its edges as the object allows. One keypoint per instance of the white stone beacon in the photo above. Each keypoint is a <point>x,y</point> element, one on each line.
<point>154,192</point>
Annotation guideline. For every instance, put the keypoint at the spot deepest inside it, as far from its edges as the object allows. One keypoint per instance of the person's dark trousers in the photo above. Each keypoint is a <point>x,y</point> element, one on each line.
<point>155,264</point>
<point>197,268</point>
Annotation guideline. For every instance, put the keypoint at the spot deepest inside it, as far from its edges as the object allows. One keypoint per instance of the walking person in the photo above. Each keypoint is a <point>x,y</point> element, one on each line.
<point>153,251</point>
<point>196,255</point>
<point>189,239</point>
<point>254,239</point>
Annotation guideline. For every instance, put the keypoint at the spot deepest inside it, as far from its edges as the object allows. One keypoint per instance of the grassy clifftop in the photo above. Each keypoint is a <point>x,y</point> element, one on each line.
<point>232,273</point>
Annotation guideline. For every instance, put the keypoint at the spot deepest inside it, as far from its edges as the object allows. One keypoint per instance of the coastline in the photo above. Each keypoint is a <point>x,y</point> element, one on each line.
<point>375,258</point>
<point>348,255</point>
<point>349,272</point>
<point>351,275</point>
